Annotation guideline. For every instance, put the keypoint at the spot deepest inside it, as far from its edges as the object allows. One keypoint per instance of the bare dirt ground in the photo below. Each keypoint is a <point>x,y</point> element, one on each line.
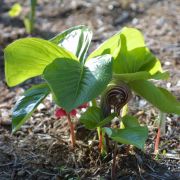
<point>40,149</point>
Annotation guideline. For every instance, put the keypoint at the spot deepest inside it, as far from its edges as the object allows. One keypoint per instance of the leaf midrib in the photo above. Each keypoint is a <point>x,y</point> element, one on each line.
<point>78,85</point>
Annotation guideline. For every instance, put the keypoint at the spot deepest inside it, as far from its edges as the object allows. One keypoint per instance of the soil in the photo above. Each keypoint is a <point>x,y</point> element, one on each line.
<point>40,149</point>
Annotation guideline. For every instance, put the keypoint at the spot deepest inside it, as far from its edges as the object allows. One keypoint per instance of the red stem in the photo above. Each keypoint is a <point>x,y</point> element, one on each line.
<point>100,141</point>
<point>156,148</point>
<point>72,134</point>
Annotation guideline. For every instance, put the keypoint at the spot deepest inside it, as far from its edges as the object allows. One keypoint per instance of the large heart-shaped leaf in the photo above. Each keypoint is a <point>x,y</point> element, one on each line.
<point>129,52</point>
<point>26,58</point>
<point>26,105</point>
<point>76,40</point>
<point>93,118</point>
<point>133,135</point>
<point>74,84</point>
<point>159,97</point>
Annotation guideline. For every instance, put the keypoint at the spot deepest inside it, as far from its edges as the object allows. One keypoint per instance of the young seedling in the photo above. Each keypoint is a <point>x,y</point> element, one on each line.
<point>29,20</point>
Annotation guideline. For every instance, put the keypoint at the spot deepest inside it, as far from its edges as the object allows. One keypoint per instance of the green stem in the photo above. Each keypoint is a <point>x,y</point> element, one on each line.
<point>123,113</point>
<point>94,103</point>
<point>32,14</point>
<point>99,130</point>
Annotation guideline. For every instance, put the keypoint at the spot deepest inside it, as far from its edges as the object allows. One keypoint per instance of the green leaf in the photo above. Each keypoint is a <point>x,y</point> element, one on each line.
<point>26,105</point>
<point>93,118</point>
<point>76,40</point>
<point>131,61</point>
<point>107,120</point>
<point>130,121</point>
<point>129,52</point>
<point>15,10</point>
<point>110,46</point>
<point>141,75</point>
<point>159,97</point>
<point>27,57</point>
<point>135,135</point>
<point>74,84</point>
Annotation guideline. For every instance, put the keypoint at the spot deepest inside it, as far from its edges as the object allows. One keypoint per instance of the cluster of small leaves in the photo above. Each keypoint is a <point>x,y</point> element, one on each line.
<point>74,79</point>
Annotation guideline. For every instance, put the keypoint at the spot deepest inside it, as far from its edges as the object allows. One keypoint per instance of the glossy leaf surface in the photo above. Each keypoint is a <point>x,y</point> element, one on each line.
<point>26,58</point>
<point>159,97</point>
<point>26,105</point>
<point>93,118</point>
<point>76,40</point>
<point>73,84</point>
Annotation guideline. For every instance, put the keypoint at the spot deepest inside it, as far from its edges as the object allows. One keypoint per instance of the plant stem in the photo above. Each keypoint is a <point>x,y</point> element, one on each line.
<point>99,131</point>
<point>32,14</point>
<point>161,131</point>
<point>124,110</point>
<point>113,168</point>
<point>123,113</point>
<point>100,141</point>
<point>94,103</point>
<point>72,134</point>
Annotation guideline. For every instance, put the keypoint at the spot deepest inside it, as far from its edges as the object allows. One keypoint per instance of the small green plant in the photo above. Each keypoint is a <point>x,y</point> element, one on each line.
<point>122,64</point>
<point>29,19</point>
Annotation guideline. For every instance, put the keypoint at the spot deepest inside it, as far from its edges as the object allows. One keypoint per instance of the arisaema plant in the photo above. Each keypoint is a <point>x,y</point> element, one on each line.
<point>122,64</point>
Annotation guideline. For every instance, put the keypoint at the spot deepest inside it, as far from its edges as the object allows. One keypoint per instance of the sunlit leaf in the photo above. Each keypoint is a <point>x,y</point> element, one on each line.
<point>27,57</point>
<point>131,61</point>
<point>73,84</point>
<point>159,97</point>
<point>27,103</point>
<point>76,40</point>
<point>129,52</point>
